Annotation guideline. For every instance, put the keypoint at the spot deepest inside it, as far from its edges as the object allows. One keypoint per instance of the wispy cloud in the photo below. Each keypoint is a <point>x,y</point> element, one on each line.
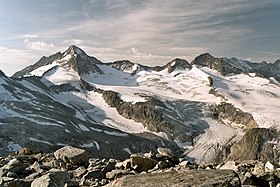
<point>153,31</point>
<point>15,58</point>
<point>74,42</point>
<point>40,46</point>
<point>30,36</point>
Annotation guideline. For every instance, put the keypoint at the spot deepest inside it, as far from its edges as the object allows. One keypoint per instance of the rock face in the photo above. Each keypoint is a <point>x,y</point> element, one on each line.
<point>63,88</point>
<point>149,113</point>
<point>112,98</point>
<point>256,144</point>
<point>227,111</point>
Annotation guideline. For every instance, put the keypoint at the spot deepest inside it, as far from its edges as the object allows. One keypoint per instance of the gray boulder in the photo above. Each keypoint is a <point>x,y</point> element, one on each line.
<point>55,178</point>
<point>15,166</point>
<point>72,155</point>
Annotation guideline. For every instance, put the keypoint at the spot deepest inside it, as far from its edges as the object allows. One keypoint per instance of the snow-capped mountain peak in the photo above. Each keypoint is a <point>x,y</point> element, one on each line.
<point>201,107</point>
<point>74,50</point>
<point>178,64</point>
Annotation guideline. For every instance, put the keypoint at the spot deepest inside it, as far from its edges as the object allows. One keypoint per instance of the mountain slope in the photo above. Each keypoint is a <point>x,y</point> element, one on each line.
<point>203,107</point>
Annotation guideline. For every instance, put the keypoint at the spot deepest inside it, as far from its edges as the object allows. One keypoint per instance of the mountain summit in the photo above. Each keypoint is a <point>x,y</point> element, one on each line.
<point>74,50</point>
<point>73,58</point>
<point>201,109</point>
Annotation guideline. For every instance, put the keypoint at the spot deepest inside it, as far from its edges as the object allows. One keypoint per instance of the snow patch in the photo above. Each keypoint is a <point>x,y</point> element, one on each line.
<point>61,144</point>
<point>127,150</point>
<point>83,128</point>
<point>114,133</point>
<point>132,98</point>
<point>87,145</point>
<point>162,135</point>
<point>40,141</point>
<point>96,145</point>
<point>13,147</point>
<point>95,129</point>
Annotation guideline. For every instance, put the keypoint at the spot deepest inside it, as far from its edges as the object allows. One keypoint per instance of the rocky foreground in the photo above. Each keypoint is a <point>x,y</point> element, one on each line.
<point>70,166</point>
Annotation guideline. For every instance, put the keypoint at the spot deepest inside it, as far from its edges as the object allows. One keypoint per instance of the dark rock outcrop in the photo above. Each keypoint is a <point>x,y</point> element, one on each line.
<point>86,86</point>
<point>63,88</point>
<point>227,111</point>
<point>2,74</point>
<point>143,112</point>
<point>112,98</point>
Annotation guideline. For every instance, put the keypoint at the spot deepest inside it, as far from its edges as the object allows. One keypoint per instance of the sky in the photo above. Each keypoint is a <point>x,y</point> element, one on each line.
<point>149,32</point>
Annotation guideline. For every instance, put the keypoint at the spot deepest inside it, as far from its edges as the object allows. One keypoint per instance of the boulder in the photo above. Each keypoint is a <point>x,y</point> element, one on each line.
<point>72,155</point>
<point>79,172</point>
<point>140,164</point>
<point>231,165</point>
<point>185,178</point>
<point>15,166</point>
<point>19,183</point>
<point>53,178</point>
<point>268,166</point>
<point>109,166</point>
<point>163,164</point>
<point>165,152</point>
<point>117,173</point>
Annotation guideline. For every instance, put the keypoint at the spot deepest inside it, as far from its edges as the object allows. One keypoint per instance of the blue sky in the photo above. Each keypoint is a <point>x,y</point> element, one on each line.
<point>150,32</point>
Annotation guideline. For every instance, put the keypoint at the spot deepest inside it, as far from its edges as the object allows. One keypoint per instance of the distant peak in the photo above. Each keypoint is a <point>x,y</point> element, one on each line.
<point>75,50</point>
<point>200,60</point>
<point>205,55</point>
<point>277,62</point>
<point>178,63</point>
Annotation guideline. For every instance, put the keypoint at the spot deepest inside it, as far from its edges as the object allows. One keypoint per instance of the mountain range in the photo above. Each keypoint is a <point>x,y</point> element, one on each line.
<point>208,110</point>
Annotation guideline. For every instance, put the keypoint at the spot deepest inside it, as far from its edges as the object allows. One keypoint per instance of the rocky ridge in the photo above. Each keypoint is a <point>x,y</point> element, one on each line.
<point>233,65</point>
